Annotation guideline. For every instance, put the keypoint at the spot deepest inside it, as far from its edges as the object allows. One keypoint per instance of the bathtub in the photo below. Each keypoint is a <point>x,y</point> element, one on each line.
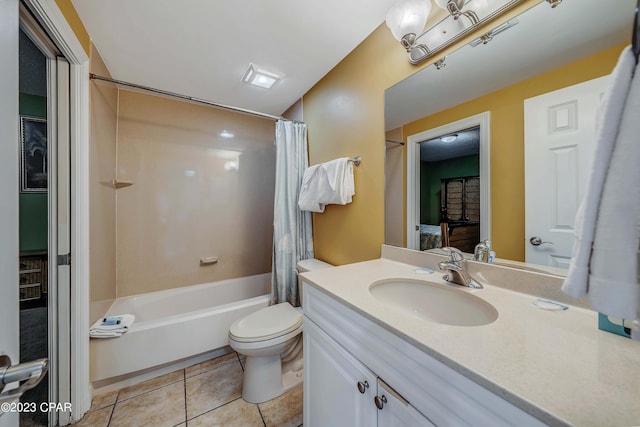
<point>176,324</point>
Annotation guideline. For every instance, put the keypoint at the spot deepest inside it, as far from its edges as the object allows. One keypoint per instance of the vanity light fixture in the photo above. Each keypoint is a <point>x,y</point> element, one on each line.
<point>407,19</point>
<point>487,37</point>
<point>226,134</point>
<point>259,76</point>
<point>449,138</point>
<point>454,7</point>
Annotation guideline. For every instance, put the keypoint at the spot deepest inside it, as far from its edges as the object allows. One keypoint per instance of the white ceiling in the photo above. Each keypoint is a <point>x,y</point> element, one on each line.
<point>544,39</point>
<point>202,48</point>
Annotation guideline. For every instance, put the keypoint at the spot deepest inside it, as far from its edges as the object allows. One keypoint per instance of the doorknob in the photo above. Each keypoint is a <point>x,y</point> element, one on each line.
<point>537,241</point>
<point>29,372</point>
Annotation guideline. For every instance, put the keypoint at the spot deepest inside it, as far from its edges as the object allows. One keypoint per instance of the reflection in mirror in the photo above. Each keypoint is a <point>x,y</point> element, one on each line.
<point>545,51</point>
<point>463,225</point>
<point>450,190</point>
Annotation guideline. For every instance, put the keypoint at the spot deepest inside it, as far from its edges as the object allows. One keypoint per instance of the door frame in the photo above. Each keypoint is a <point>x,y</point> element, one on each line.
<point>77,386</point>
<point>482,120</point>
<point>36,34</point>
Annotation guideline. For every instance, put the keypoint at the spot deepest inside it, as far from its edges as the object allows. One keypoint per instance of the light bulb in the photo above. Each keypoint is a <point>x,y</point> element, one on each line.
<point>408,17</point>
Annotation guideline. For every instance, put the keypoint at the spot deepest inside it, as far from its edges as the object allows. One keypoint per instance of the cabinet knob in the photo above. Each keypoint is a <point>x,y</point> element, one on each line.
<point>380,401</point>
<point>363,386</point>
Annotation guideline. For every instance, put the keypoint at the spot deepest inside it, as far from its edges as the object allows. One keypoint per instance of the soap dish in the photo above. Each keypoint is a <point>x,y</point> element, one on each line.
<point>549,305</point>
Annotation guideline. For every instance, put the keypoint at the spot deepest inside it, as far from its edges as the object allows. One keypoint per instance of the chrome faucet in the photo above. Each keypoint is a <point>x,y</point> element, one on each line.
<point>456,269</point>
<point>483,252</point>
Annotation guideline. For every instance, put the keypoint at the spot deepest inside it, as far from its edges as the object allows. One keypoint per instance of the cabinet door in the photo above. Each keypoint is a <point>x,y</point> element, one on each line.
<point>332,393</point>
<point>395,411</point>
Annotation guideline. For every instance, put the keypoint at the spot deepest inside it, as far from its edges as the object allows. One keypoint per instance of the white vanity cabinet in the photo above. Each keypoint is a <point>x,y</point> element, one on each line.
<point>341,391</point>
<point>349,360</point>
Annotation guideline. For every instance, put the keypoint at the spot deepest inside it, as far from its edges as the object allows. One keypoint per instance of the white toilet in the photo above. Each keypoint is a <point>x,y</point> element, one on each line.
<point>271,338</point>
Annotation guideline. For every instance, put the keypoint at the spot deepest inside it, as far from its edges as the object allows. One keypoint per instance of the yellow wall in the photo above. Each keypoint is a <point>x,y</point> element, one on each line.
<point>70,14</point>
<point>345,114</point>
<point>507,141</point>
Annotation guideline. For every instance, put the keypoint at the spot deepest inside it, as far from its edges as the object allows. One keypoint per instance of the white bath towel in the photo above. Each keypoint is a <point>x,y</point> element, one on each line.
<point>340,176</point>
<point>328,183</point>
<point>614,287</point>
<point>576,283</point>
<point>106,328</point>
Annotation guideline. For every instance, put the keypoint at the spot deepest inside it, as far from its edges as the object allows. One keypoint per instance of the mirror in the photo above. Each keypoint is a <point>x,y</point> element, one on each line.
<point>542,50</point>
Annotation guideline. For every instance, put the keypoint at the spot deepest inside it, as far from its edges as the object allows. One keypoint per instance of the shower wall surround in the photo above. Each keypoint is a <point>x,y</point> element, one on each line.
<point>102,196</point>
<point>197,193</point>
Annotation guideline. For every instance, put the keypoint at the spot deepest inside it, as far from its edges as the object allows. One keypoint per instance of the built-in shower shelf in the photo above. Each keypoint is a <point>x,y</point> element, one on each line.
<point>120,184</point>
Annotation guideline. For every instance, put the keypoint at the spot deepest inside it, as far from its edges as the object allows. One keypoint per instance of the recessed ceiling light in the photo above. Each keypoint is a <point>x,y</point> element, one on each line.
<point>261,77</point>
<point>449,138</point>
<point>231,165</point>
<point>226,134</point>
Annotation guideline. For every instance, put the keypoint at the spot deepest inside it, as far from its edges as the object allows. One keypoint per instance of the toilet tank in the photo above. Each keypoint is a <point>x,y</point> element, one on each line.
<point>309,265</point>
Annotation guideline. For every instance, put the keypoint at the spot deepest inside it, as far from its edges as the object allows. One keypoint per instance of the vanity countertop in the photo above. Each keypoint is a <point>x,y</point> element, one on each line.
<point>555,365</point>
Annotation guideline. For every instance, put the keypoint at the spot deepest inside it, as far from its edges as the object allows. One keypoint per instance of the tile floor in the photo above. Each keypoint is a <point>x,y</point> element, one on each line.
<point>203,395</point>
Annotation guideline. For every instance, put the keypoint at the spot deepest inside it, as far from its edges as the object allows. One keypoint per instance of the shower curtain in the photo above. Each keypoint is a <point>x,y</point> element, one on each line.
<point>292,238</point>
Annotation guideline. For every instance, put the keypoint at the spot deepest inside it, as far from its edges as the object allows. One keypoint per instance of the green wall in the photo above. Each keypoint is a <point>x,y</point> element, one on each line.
<point>430,175</point>
<point>33,206</point>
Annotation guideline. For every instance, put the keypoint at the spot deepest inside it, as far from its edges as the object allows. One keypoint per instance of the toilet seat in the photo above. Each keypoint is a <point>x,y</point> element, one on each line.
<point>266,324</point>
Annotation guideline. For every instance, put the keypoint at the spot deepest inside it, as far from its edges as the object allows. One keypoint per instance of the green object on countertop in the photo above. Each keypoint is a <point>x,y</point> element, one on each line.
<point>613,325</point>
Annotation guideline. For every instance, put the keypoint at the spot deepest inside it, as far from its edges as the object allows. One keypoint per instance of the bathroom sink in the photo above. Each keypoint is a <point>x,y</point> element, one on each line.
<point>436,303</point>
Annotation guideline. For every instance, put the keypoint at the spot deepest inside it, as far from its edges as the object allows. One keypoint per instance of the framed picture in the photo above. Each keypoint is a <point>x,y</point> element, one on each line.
<point>33,155</point>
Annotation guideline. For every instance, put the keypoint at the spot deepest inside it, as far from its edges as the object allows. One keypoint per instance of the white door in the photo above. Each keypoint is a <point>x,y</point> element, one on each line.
<point>9,249</point>
<point>560,139</point>
<point>338,389</point>
<point>58,130</point>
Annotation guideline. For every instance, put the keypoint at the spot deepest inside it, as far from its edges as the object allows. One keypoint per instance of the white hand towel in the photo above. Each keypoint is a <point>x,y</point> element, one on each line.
<point>614,288</point>
<point>576,283</point>
<point>125,324</point>
<point>104,334</point>
<point>310,190</point>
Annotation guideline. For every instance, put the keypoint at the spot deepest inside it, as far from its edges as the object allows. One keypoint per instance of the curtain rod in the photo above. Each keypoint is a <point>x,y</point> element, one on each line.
<point>188,98</point>
<point>397,142</point>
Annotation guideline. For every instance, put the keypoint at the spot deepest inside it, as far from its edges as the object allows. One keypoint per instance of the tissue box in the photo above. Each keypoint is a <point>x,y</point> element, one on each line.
<point>613,325</point>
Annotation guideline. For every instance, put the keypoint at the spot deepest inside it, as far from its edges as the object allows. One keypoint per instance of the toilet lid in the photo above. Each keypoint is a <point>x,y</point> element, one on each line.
<point>266,323</point>
<point>311,264</point>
